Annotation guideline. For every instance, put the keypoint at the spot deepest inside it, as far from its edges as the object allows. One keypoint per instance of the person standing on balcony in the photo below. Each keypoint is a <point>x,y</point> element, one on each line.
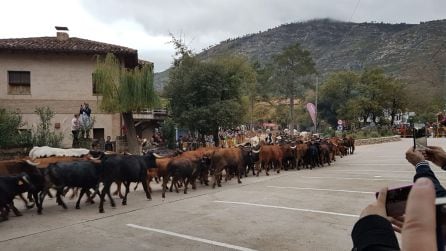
<point>75,130</point>
<point>85,113</point>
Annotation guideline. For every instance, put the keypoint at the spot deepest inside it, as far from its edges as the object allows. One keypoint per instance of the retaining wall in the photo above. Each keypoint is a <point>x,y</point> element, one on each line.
<point>370,141</point>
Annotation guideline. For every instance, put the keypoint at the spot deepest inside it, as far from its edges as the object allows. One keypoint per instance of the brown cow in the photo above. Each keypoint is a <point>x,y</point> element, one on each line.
<point>270,155</point>
<point>324,152</point>
<point>228,159</point>
<point>349,143</point>
<point>289,156</point>
<point>301,152</point>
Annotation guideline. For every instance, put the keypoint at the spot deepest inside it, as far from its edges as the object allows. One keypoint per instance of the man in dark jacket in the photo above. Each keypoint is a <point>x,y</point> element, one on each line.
<point>374,231</point>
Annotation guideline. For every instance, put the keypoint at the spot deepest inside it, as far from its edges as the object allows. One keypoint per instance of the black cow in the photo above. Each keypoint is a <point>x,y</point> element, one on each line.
<point>16,167</point>
<point>125,169</point>
<point>185,169</point>
<point>312,155</point>
<point>10,186</point>
<point>254,156</point>
<point>83,174</point>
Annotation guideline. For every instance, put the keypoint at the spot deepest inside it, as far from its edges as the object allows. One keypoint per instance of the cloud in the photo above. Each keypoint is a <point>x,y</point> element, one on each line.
<point>207,22</point>
<point>145,24</point>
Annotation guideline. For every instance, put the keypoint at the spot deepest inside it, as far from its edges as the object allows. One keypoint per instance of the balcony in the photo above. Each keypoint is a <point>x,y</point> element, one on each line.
<point>149,114</point>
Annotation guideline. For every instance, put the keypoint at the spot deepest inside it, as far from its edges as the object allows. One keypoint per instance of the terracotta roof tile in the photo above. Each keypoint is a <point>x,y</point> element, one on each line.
<point>72,45</point>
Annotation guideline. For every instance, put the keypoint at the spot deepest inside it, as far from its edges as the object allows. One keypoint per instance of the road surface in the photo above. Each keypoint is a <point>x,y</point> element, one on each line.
<point>295,210</point>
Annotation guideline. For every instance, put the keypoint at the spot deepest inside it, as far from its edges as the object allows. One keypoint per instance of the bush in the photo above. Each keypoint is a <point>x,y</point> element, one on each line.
<point>366,133</point>
<point>10,135</point>
<point>42,135</point>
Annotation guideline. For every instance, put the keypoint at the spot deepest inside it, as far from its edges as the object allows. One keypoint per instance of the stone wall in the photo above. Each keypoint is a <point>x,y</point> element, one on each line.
<point>13,153</point>
<point>359,142</point>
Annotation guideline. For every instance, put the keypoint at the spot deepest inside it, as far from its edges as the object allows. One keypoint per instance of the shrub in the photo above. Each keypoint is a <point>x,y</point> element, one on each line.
<point>42,135</point>
<point>10,136</point>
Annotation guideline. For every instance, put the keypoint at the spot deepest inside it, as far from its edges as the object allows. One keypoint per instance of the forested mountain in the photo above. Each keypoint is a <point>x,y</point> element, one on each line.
<point>413,52</point>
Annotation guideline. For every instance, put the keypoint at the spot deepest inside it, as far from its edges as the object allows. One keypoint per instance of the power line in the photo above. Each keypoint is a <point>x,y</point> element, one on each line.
<point>354,11</point>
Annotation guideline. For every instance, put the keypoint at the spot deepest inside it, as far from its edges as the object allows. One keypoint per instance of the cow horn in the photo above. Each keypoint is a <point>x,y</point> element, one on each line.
<point>93,158</point>
<point>32,163</point>
<point>293,147</point>
<point>254,151</point>
<point>26,179</point>
<point>157,156</point>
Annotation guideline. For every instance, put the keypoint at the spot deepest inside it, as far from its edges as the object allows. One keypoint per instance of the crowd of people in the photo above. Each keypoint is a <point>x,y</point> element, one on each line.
<point>375,230</point>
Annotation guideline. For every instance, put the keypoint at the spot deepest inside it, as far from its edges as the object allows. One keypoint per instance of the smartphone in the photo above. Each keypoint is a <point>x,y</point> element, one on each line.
<point>440,204</point>
<point>419,136</point>
<point>396,200</point>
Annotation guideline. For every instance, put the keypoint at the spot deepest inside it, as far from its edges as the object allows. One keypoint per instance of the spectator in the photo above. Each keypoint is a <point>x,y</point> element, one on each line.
<point>374,232</point>
<point>422,168</point>
<point>75,130</point>
<point>108,146</point>
<point>85,112</point>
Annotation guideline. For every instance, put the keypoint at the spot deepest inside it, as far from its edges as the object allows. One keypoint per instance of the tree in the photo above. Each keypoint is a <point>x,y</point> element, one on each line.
<point>368,95</point>
<point>124,91</point>
<point>335,93</point>
<point>292,70</point>
<point>207,95</point>
<point>168,132</point>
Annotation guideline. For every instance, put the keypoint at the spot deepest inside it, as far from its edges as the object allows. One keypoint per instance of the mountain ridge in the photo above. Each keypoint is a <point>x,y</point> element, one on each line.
<point>413,52</point>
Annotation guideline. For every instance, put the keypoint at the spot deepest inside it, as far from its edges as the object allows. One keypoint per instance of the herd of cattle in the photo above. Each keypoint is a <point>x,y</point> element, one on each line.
<point>51,169</point>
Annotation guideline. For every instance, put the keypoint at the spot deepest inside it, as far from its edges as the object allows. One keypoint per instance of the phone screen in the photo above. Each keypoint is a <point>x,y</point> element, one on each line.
<point>441,222</point>
<point>419,136</point>
<point>396,200</point>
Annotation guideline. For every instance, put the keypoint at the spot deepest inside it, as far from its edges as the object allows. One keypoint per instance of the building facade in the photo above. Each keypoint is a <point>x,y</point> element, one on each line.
<point>57,72</point>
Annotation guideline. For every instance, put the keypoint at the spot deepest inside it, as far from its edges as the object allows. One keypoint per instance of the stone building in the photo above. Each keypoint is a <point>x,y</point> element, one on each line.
<point>57,72</point>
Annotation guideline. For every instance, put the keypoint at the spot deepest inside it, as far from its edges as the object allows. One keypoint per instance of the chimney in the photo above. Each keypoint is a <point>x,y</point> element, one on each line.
<point>62,33</point>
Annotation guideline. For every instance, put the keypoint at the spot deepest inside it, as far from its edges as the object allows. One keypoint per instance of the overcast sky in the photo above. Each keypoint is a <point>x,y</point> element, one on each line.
<point>145,24</point>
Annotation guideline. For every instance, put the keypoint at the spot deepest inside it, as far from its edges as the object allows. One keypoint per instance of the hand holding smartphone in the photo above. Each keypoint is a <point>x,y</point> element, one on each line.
<point>396,200</point>
<point>419,137</point>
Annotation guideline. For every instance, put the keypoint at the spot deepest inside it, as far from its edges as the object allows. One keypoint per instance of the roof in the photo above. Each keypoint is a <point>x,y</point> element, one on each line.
<point>70,45</point>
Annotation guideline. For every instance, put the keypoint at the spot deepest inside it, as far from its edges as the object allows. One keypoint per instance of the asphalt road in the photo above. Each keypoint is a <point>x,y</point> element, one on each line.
<point>295,210</point>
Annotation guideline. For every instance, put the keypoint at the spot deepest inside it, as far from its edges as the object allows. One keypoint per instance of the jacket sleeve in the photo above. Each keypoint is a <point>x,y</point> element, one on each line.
<point>374,232</point>
<point>423,170</point>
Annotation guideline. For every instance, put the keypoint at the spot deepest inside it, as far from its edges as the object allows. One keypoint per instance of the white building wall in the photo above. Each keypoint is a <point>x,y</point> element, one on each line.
<point>63,82</point>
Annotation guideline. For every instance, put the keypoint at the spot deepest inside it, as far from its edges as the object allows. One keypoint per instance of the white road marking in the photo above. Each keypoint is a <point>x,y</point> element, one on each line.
<point>376,164</point>
<point>348,178</point>
<point>286,208</point>
<point>188,237</point>
<point>387,171</point>
<point>321,189</point>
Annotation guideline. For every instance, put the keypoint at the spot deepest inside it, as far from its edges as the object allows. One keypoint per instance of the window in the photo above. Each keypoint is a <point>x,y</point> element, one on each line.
<point>19,82</point>
<point>95,86</point>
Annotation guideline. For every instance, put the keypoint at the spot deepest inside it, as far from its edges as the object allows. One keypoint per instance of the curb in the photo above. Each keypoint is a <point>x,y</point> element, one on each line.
<point>380,140</point>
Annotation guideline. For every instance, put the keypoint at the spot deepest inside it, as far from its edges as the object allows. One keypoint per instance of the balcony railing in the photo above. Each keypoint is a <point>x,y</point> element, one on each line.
<point>147,114</point>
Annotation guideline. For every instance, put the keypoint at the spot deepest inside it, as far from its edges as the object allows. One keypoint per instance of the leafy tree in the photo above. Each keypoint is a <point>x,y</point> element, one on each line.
<point>394,98</point>
<point>124,91</point>
<point>293,68</point>
<point>168,132</point>
<point>206,95</point>
<point>371,94</point>
<point>337,90</point>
